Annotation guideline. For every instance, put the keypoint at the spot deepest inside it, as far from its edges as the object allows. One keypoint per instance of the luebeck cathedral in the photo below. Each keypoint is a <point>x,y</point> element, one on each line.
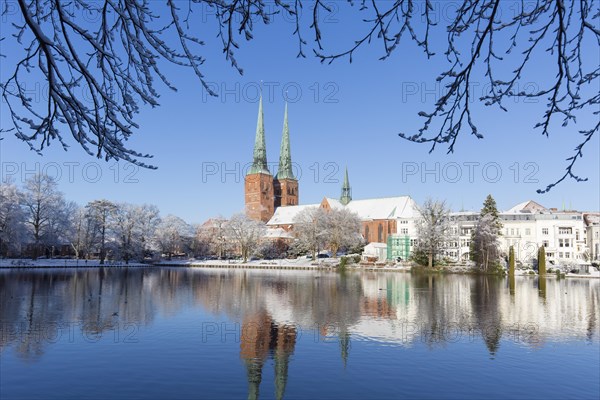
<point>263,192</point>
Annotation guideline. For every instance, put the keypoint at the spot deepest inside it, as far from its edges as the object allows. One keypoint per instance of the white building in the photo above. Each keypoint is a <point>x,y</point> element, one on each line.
<point>592,234</point>
<point>527,226</point>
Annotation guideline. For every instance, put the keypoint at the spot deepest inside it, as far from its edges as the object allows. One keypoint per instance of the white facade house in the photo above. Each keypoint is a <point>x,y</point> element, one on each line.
<point>568,236</point>
<point>527,226</point>
<point>592,235</point>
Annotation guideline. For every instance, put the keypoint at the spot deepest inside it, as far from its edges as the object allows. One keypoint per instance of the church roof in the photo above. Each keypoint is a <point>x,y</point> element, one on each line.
<point>287,215</point>
<point>278,233</point>
<point>368,209</point>
<point>384,208</point>
<point>529,206</point>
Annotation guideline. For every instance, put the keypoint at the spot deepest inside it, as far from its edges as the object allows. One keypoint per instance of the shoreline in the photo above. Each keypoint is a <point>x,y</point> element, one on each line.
<point>269,266</point>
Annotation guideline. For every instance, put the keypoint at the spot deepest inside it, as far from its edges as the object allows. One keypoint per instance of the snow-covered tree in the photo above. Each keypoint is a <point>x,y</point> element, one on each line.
<point>342,230</point>
<point>83,233</point>
<point>485,249</point>
<point>127,226</point>
<point>245,233</point>
<point>102,211</point>
<point>485,246</point>
<point>42,201</point>
<point>59,224</point>
<point>310,228</point>
<point>149,220</point>
<point>171,234</point>
<point>433,227</point>
<point>211,237</point>
<point>12,220</point>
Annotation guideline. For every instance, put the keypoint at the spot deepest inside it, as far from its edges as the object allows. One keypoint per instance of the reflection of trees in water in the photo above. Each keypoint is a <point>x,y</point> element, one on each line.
<point>485,298</point>
<point>38,308</point>
<point>542,287</point>
<point>336,305</point>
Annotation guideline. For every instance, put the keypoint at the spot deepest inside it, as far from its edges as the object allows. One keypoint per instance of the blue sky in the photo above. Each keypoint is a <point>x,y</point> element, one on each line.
<point>339,115</point>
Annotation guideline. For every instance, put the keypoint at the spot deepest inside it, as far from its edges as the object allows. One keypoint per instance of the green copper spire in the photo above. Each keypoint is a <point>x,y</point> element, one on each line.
<point>285,155</point>
<point>259,163</point>
<point>346,190</point>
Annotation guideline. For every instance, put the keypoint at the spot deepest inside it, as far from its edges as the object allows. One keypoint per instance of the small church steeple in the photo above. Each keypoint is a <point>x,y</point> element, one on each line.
<point>285,155</point>
<point>259,162</point>
<point>346,196</point>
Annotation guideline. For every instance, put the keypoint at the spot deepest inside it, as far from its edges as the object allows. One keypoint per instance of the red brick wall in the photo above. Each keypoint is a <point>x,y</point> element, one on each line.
<point>371,230</point>
<point>286,192</point>
<point>259,196</point>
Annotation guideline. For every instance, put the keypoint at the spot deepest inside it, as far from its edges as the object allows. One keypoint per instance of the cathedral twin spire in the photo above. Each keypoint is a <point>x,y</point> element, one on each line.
<point>259,163</point>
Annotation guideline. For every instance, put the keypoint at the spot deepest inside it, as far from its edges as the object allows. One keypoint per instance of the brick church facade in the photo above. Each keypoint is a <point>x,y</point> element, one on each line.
<point>264,192</point>
<point>275,199</point>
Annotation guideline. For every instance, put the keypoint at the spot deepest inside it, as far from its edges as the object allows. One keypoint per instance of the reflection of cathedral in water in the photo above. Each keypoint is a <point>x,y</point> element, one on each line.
<point>262,338</point>
<point>395,308</point>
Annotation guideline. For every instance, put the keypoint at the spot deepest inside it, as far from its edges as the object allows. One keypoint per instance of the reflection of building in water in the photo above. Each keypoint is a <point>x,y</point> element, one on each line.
<point>393,308</point>
<point>435,309</point>
<point>261,337</point>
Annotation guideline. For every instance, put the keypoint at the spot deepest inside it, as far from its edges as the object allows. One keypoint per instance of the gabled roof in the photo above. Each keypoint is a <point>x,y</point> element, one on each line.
<point>368,209</point>
<point>334,203</point>
<point>287,215</point>
<point>529,206</point>
<point>384,208</point>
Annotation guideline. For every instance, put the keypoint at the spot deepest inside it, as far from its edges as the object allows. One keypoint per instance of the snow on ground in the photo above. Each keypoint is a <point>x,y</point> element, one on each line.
<point>62,263</point>
<point>301,262</point>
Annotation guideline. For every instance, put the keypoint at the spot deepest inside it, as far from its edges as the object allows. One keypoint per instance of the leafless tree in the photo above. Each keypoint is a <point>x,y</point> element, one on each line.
<point>342,230</point>
<point>245,233</point>
<point>149,220</point>
<point>102,211</point>
<point>212,236</point>
<point>116,58</point>
<point>12,219</point>
<point>433,228</point>
<point>41,201</point>
<point>171,234</point>
<point>127,226</point>
<point>83,232</point>
<point>310,230</point>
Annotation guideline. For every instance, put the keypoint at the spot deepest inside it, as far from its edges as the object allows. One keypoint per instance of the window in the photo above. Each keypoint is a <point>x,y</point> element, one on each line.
<point>545,243</point>
<point>577,234</point>
<point>567,255</point>
<point>527,231</point>
<point>544,231</point>
<point>404,231</point>
<point>560,255</point>
<point>564,242</point>
<point>367,233</point>
<point>565,231</point>
<point>550,255</point>
<point>380,233</point>
<point>518,231</point>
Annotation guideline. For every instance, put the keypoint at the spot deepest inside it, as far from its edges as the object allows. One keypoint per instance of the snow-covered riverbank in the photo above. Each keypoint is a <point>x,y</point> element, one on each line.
<point>299,263</point>
<point>64,263</point>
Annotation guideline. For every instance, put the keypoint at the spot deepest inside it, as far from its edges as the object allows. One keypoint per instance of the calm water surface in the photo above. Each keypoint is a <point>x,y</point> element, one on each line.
<point>191,333</point>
